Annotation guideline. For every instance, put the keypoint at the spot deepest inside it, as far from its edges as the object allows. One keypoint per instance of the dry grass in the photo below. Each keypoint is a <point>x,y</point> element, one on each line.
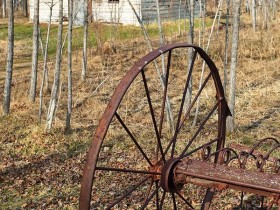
<point>43,170</point>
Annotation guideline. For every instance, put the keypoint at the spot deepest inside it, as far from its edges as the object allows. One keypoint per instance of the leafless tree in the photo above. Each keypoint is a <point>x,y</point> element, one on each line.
<point>233,64</point>
<point>90,18</point>
<point>10,56</point>
<point>247,6</point>
<point>69,101</point>
<point>253,12</point>
<point>272,8</point>
<point>25,8</point>
<point>265,14</point>
<point>56,83</point>
<point>161,39</point>
<point>84,69</point>
<point>203,65</point>
<point>3,8</point>
<point>168,105</point>
<point>219,18</point>
<point>226,45</point>
<point>33,80</point>
<point>201,23</point>
<point>190,50</point>
<point>45,68</point>
<point>21,6</point>
<point>179,17</point>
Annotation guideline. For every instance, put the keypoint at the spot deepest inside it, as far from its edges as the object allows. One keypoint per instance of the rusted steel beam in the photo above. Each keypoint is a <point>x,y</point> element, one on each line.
<point>220,177</point>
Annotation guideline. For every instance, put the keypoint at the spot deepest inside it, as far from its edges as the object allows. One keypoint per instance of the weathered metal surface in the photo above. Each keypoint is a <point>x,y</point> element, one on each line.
<point>222,176</point>
<point>168,10</point>
<point>121,89</point>
<point>260,157</point>
<point>170,173</point>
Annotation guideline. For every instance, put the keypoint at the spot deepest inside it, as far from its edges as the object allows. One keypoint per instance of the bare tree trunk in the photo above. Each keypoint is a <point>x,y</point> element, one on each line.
<point>191,26</point>
<point>253,5</point>
<point>10,57</point>
<point>273,8</point>
<point>84,70</point>
<point>203,22</point>
<point>26,8</point>
<point>45,68</point>
<point>219,18</point>
<point>233,64</point>
<point>200,25</point>
<point>185,16</point>
<point>4,9</point>
<point>203,65</point>
<point>160,34</point>
<point>265,14</point>
<point>33,80</point>
<point>179,17</point>
<point>69,101</point>
<point>190,52</point>
<point>226,46</point>
<point>56,83</point>
<point>168,105</point>
<point>89,11</point>
<point>247,6</point>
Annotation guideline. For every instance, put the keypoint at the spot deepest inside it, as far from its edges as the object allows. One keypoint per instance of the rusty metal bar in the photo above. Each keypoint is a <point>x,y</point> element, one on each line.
<point>221,176</point>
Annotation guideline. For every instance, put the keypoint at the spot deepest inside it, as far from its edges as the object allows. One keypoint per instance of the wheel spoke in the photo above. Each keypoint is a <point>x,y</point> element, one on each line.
<point>199,129</point>
<point>128,192</point>
<point>157,197</point>
<point>164,99</point>
<point>188,111</point>
<point>182,104</point>
<point>174,201</point>
<point>162,200</point>
<point>133,139</point>
<point>137,186</point>
<point>150,198</point>
<point>241,200</point>
<point>101,168</point>
<point>185,200</point>
<point>153,115</point>
<point>262,201</point>
<point>208,198</point>
<point>164,93</point>
<point>149,190</point>
<point>194,101</point>
<point>200,147</point>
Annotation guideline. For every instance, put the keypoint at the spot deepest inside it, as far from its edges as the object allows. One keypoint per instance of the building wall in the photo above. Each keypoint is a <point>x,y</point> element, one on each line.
<point>78,12</point>
<point>169,10</point>
<point>44,12</point>
<point>116,11</point>
<point>121,12</point>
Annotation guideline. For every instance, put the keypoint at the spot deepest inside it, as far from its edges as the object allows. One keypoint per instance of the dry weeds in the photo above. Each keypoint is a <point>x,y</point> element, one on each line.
<point>40,170</point>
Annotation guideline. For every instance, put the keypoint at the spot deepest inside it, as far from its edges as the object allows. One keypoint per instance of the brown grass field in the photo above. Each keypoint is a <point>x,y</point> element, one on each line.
<point>43,170</point>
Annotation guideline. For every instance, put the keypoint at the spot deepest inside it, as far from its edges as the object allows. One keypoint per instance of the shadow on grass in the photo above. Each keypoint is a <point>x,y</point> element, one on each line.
<point>258,122</point>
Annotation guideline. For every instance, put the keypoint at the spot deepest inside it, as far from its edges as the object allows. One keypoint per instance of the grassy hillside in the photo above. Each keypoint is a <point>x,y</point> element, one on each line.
<point>42,170</point>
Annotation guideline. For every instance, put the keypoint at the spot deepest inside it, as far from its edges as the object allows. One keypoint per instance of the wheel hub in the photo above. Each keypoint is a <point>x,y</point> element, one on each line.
<point>167,176</point>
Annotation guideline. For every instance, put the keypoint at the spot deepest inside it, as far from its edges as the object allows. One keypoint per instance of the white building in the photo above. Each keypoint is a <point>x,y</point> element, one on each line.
<point>117,11</point>
<point>44,10</point>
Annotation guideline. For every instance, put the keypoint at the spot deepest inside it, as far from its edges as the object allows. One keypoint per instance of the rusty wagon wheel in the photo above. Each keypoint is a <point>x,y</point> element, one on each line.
<point>148,126</point>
